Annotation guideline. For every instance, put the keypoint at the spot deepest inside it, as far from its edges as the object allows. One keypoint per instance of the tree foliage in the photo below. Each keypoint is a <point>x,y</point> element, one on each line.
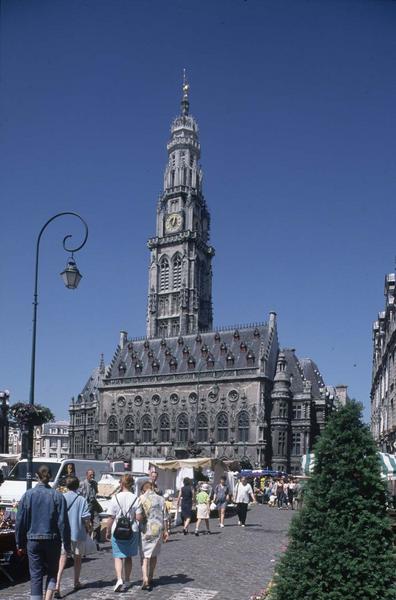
<point>340,543</point>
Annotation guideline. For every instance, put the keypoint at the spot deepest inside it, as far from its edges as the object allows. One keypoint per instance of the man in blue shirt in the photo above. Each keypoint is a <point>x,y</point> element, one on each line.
<point>80,525</point>
<point>41,526</point>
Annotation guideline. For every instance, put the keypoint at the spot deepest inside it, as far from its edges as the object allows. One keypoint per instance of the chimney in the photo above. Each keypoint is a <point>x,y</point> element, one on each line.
<point>272,319</point>
<point>123,338</point>
<point>342,394</point>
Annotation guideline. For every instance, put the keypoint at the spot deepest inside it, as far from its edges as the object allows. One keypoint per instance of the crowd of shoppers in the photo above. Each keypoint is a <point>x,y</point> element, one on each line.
<point>51,526</point>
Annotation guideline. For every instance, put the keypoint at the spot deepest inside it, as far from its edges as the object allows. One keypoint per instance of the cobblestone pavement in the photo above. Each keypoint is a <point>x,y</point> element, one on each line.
<point>230,564</point>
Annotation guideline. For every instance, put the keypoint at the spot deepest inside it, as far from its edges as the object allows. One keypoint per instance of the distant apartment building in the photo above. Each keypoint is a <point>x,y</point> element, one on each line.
<point>51,440</point>
<point>383,389</point>
<point>14,440</point>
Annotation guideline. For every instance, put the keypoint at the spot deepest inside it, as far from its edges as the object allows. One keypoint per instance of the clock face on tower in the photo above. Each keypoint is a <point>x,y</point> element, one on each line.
<point>173,222</point>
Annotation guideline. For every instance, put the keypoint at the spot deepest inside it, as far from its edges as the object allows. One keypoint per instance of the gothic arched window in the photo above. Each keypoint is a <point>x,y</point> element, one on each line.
<point>243,426</point>
<point>202,427</point>
<point>176,272</point>
<point>164,274</point>
<point>147,429</point>
<point>222,427</point>
<point>129,430</point>
<point>89,444</point>
<point>164,428</point>
<point>182,428</point>
<point>112,430</point>
<point>163,329</point>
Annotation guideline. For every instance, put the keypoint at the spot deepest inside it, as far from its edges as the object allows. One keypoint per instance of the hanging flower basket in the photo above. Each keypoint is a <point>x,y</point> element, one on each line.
<point>29,414</point>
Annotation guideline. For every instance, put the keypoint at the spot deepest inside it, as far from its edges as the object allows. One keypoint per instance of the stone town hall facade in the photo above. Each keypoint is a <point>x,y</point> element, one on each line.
<point>188,388</point>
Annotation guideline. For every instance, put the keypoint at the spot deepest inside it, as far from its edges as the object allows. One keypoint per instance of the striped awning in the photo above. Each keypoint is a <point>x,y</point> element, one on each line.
<point>388,464</point>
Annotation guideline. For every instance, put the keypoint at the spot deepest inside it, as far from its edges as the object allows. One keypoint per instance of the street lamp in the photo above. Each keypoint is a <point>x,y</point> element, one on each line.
<point>4,407</point>
<point>71,276</point>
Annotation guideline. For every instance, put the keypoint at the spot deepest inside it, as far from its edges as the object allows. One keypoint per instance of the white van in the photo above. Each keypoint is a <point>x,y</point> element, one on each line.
<point>14,486</point>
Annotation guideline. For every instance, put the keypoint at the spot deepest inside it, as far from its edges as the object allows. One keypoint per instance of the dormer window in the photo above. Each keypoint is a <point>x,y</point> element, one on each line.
<point>256,332</point>
<point>173,364</point>
<point>150,354</point>
<point>130,346</point>
<point>191,363</point>
<point>210,360</point>
<point>138,367</point>
<point>134,355</point>
<point>223,348</point>
<point>217,336</point>
<point>230,359</point>
<point>167,352</point>
<point>186,350</point>
<point>155,366</point>
<point>243,347</point>
<point>250,358</point>
<point>146,345</point>
<point>163,343</point>
<point>122,368</point>
<point>198,339</point>
<point>236,334</point>
<point>204,349</point>
<point>180,341</point>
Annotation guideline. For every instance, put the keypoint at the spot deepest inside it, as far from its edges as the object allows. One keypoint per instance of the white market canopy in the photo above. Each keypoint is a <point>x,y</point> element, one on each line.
<point>192,463</point>
<point>172,472</point>
<point>388,464</point>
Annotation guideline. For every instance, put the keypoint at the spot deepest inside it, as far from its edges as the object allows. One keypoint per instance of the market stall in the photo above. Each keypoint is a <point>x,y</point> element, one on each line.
<point>172,472</point>
<point>388,465</point>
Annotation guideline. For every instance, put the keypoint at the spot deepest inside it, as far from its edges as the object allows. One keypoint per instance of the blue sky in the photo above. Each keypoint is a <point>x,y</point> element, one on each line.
<point>296,106</point>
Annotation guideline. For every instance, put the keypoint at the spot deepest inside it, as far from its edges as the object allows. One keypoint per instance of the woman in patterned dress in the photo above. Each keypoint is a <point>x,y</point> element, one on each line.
<point>154,530</point>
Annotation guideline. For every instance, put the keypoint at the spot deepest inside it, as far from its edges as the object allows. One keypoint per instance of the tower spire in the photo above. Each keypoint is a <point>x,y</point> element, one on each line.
<point>185,104</point>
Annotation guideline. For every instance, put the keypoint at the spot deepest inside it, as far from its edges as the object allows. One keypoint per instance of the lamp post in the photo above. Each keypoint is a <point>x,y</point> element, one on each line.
<point>71,277</point>
<point>4,407</point>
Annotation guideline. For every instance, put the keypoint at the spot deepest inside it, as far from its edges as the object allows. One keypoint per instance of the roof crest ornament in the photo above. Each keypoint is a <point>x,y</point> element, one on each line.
<point>185,104</point>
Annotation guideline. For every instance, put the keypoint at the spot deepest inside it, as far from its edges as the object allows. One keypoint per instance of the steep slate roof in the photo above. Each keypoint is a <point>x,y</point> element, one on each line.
<point>312,373</point>
<point>239,343</point>
<point>301,370</point>
<point>54,424</point>
<point>93,383</point>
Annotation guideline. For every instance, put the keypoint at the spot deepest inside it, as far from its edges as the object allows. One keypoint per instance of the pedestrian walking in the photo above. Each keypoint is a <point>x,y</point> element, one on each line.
<point>154,530</point>
<point>292,486</point>
<point>80,525</point>
<point>89,490</point>
<point>123,514</point>
<point>42,525</point>
<point>203,507</point>
<point>185,502</point>
<point>280,494</point>
<point>243,495</point>
<point>154,481</point>
<point>220,498</point>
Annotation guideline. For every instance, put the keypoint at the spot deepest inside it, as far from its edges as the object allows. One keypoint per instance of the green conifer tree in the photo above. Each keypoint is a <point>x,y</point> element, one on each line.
<point>340,543</point>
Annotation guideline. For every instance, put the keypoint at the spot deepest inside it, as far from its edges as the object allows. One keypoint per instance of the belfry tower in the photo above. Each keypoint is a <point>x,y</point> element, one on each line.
<point>180,272</point>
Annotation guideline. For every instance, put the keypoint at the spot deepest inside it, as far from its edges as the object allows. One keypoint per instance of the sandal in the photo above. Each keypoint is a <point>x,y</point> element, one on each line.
<point>78,586</point>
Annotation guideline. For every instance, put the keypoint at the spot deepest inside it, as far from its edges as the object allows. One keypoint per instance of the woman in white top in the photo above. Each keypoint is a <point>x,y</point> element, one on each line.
<point>243,494</point>
<point>125,504</point>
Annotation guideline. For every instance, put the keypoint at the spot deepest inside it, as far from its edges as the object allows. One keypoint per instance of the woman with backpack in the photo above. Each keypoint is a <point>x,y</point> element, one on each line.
<point>123,530</point>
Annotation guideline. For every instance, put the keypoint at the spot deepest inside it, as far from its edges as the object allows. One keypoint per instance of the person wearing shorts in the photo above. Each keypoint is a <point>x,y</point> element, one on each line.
<point>80,524</point>
<point>203,507</point>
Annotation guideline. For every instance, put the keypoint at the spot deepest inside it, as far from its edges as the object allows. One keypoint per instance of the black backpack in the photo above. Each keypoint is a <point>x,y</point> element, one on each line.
<point>123,528</point>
